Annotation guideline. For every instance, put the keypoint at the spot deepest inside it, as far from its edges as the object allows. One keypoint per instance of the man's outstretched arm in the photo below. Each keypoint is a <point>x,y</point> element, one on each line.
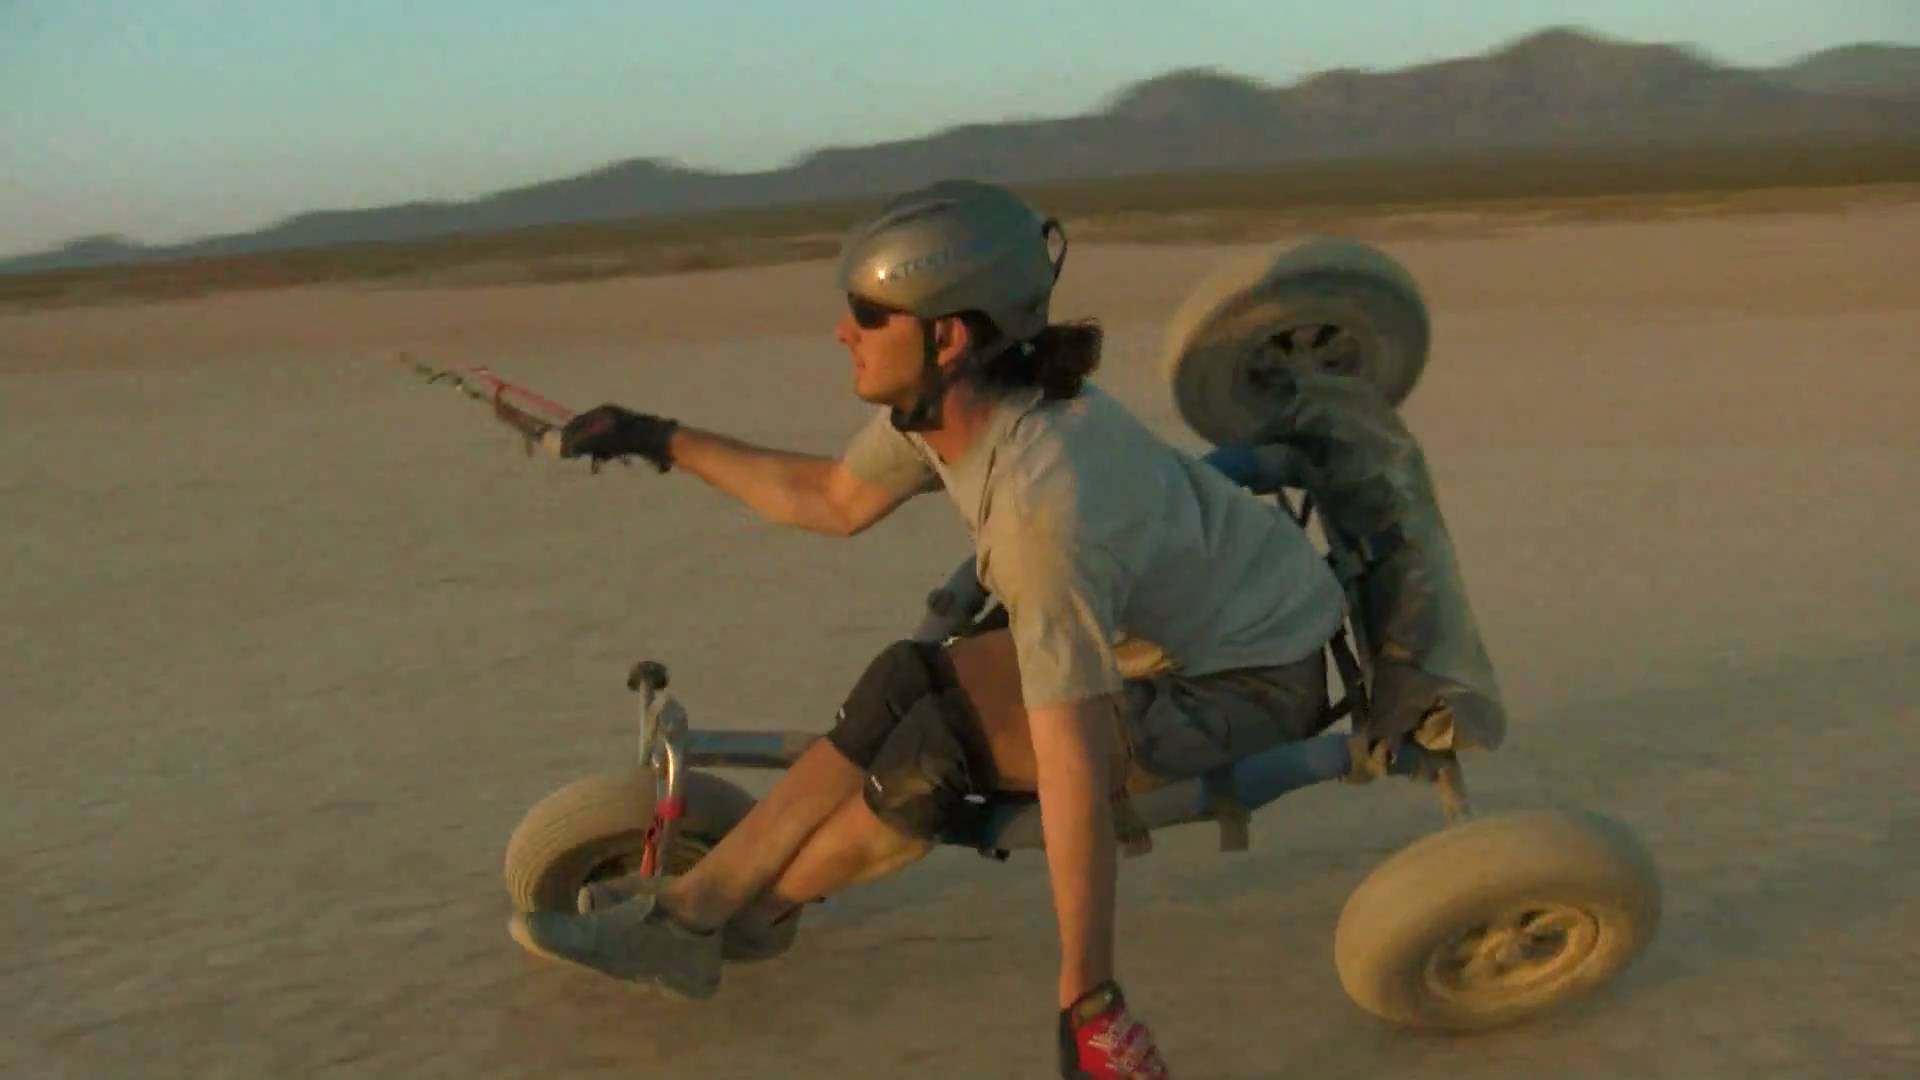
<point>1072,751</point>
<point>802,490</point>
<point>1099,1037</point>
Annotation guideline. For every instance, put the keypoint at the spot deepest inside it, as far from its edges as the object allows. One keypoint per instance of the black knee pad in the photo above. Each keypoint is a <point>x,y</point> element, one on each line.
<point>904,673</point>
<point>934,772</point>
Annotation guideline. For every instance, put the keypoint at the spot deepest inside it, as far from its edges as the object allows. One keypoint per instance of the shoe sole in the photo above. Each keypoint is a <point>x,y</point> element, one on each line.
<point>518,931</point>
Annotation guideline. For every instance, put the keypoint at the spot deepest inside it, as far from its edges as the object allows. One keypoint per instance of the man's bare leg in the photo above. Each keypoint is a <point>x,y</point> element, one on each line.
<point>753,854</point>
<point>814,834</point>
<point>852,848</point>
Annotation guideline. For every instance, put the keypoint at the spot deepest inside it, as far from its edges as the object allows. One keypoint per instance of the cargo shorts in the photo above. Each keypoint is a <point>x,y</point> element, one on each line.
<point>1178,726</point>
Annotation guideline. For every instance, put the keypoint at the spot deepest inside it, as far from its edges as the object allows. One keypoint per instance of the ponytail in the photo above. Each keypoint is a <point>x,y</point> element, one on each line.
<point>1057,360</point>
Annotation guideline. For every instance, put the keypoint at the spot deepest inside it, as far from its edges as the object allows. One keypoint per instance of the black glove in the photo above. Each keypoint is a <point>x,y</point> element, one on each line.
<point>609,431</point>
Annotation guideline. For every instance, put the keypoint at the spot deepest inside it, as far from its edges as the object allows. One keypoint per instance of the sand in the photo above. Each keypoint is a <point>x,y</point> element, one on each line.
<point>291,641</point>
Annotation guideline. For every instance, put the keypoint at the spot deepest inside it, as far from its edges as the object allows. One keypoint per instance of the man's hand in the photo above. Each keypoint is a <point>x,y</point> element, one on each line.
<point>1100,1040</point>
<point>610,431</point>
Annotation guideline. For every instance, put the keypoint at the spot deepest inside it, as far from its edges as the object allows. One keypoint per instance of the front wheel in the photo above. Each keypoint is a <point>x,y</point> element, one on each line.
<point>1497,920</point>
<point>596,828</point>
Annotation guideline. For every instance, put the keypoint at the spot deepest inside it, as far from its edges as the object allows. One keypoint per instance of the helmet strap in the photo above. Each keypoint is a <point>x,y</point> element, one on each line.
<point>925,414</point>
<point>935,380</point>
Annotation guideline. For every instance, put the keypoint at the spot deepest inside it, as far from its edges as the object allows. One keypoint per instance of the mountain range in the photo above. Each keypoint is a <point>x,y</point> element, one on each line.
<point>1560,88</point>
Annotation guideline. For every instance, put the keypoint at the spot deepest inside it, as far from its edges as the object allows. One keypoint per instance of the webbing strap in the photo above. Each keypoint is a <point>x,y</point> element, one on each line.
<point>1350,678</point>
<point>1231,814</point>
<point>1128,827</point>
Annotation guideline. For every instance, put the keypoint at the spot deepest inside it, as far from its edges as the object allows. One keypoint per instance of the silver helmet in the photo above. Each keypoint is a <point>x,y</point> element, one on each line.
<point>955,246</point>
<point>948,248</point>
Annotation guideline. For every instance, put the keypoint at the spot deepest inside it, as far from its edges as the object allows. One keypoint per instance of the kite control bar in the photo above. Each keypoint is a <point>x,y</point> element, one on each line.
<point>536,418</point>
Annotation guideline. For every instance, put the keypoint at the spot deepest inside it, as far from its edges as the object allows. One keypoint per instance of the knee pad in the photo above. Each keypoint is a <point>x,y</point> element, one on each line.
<point>901,676</point>
<point>934,772</point>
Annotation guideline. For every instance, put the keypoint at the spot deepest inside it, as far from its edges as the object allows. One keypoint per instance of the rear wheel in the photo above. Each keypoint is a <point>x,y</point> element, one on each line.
<point>596,827</point>
<point>1497,920</point>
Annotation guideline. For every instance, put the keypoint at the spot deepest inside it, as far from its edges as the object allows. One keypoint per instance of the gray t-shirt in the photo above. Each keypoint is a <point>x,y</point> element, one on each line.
<point>1090,530</point>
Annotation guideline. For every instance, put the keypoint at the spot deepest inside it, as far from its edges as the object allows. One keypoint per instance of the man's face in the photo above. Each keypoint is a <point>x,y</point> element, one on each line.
<point>886,349</point>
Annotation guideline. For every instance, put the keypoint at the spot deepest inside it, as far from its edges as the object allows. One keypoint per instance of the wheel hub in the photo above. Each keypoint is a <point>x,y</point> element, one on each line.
<point>1309,347</point>
<point>1519,951</point>
<point>681,855</point>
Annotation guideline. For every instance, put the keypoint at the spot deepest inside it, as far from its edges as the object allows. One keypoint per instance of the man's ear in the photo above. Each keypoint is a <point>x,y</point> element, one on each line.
<point>950,331</point>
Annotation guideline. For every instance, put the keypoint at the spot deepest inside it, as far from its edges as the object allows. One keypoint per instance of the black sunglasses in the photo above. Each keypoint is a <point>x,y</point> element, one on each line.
<point>870,314</point>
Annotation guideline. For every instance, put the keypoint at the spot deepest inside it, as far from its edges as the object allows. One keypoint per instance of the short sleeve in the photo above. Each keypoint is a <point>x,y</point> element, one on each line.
<point>1062,597</point>
<point>880,455</point>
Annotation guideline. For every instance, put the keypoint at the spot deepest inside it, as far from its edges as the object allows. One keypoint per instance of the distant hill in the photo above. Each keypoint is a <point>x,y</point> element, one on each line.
<point>85,251</point>
<point>1559,88</point>
<point>1885,71</point>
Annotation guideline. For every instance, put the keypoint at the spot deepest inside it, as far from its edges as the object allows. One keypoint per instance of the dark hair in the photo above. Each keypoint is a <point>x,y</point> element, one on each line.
<point>1058,360</point>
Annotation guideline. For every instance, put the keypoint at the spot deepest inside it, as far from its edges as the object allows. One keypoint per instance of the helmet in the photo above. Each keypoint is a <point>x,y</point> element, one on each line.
<point>955,246</point>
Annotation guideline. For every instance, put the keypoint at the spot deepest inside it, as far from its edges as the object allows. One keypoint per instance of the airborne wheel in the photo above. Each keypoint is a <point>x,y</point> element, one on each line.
<point>1327,305</point>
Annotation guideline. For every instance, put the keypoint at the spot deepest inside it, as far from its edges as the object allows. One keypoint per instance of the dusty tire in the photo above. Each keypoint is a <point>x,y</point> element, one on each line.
<point>1327,304</point>
<point>1497,920</point>
<point>596,828</point>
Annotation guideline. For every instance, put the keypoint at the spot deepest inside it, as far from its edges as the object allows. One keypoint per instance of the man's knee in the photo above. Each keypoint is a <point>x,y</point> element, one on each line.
<point>897,679</point>
<point>912,728</point>
<point>932,776</point>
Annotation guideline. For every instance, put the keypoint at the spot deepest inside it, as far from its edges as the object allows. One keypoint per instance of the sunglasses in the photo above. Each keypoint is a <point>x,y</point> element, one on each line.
<point>870,314</point>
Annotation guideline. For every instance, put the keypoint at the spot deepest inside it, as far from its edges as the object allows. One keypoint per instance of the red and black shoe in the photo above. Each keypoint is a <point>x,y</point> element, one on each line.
<point>1100,1040</point>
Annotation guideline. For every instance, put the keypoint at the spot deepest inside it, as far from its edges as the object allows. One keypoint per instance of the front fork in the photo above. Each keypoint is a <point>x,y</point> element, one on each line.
<point>668,747</point>
<point>663,735</point>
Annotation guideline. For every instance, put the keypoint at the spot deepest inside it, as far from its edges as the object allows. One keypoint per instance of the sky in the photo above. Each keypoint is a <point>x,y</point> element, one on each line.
<point>164,120</point>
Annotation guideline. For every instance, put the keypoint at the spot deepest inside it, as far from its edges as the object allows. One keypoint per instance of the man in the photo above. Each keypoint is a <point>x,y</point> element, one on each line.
<point>1090,532</point>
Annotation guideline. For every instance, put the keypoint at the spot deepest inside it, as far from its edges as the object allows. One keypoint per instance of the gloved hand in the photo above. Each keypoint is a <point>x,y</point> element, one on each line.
<point>609,431</point>
<point>1100,1040</point>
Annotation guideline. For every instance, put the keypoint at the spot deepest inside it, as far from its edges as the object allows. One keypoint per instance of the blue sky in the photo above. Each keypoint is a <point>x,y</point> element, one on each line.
<point>168,119</point>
